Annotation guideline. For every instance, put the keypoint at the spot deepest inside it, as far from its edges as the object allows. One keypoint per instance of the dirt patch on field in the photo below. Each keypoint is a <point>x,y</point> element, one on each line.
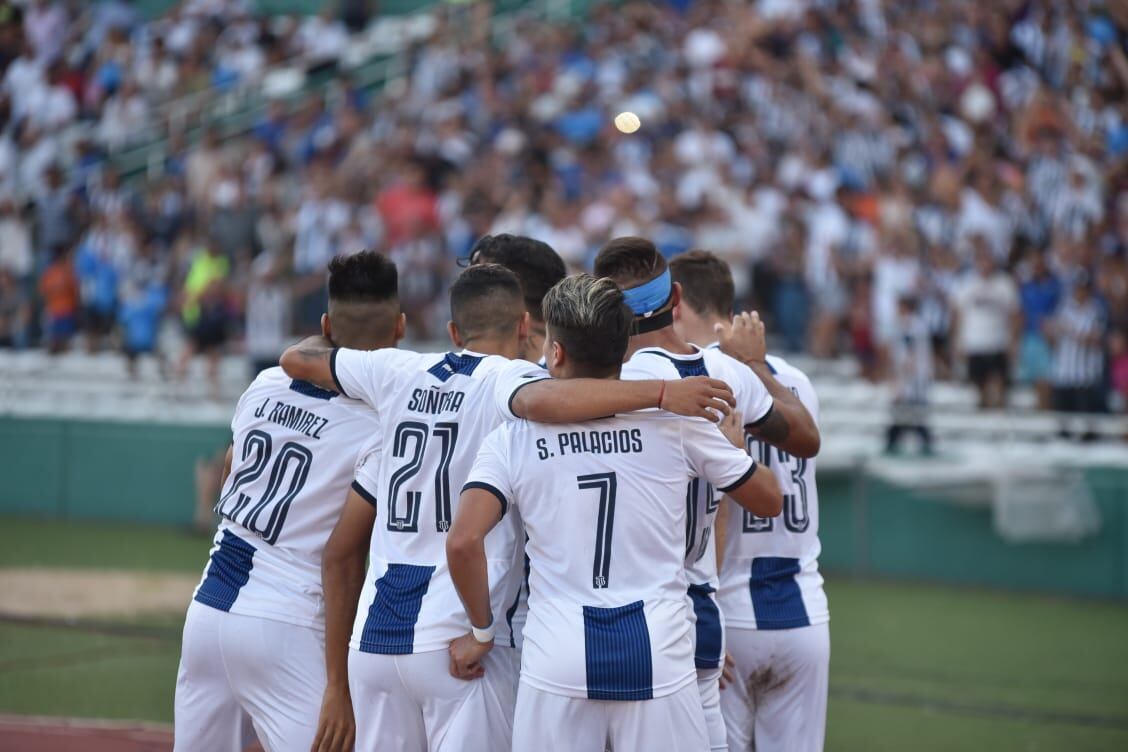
<point>92,593</point>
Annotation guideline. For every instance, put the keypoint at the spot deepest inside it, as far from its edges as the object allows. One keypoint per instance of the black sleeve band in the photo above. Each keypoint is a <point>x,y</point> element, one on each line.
<point>333,370</point>
<point>743,479</point>
<point>487,487</point>
<point>761,419</point>
<point>532,380</point>
<point>364,493</point>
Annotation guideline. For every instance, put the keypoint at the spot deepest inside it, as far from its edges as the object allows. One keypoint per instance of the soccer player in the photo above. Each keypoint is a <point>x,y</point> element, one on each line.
<point>608,655</point>
<point>770,412</point>
<point>771,591</point>
<point>251,661</point>
<point>434,411</point>
<point>537,267</point>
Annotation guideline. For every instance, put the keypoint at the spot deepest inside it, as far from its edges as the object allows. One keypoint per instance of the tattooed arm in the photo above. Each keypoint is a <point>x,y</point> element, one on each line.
<point>311,360</point>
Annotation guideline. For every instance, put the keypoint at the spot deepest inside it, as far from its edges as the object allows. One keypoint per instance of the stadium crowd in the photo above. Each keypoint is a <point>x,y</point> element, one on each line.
<point>938,188</point>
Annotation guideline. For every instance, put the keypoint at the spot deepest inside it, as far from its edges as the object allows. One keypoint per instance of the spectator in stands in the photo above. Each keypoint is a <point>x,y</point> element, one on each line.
<point>15,241</point>
<point>144,298</point>
<point>58,287</point>
<point>1077,331</point>
<point>205,310</point>
<point>1040,294</point>
<point>15,311</point>
<point>910,357</point>
<point>1118,367</point>
<point>269,304</point>
<point>986,310</point>
<point>98,282</point>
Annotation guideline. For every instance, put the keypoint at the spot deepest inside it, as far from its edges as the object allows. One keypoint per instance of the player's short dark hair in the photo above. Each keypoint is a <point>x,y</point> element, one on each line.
<point>537,266</point>
<point>484,299</point>
<point>630,261</point>
<point>706,282</point>
<point>590,319</point>
<point>365,277</point>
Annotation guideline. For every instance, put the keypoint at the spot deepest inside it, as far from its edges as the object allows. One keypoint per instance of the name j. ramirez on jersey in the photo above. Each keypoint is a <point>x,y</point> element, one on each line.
<point>292,417</point>
<point>624,441</point>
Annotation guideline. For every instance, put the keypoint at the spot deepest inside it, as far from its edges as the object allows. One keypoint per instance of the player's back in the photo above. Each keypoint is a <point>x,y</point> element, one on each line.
<point>436,408</point>
<point>295,447</point>
<point>702,500</point>
<point>603,504</point>
<point>770,577</point>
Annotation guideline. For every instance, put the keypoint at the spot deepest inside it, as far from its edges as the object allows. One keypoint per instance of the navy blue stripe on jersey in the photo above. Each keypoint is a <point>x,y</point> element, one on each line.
<point>312,390</point>
<point>776,599</point>
<point>686,368</point>
<point>531,380</point>
<point>333,370</point>
<point>617,651</point>
<point>452,364</point>
<point>771,368</point>
<point>363,493</point>
<point>709,638</point>
<point>509,614</point>
<point>762,418</point>
<point>742,480</point>
<point>228,571</point>
<point>390,626</point>
<point>491,489</point>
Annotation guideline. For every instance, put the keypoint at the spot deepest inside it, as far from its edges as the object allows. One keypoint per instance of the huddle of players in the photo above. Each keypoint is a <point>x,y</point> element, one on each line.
<point>474,484</point>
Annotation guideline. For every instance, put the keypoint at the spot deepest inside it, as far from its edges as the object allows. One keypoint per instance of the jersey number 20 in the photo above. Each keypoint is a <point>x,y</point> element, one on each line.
<point>289,470</point>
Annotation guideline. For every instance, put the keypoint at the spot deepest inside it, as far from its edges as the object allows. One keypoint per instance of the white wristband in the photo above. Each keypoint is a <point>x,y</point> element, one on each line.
<point>483,635</point>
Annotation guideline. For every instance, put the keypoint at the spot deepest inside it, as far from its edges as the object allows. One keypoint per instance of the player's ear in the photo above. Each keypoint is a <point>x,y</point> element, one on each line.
<point>401,327</point>
<point>326,328</point>
<point>523,327</point>
<point>676,297</point>
<point>557,356</point>
<point>455,337</point>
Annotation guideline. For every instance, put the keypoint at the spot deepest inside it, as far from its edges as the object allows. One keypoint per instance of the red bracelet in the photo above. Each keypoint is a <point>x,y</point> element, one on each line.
<point>661,394</point>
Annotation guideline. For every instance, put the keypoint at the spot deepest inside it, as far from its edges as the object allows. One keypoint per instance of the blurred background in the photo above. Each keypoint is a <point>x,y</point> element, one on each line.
<point>927,200</point>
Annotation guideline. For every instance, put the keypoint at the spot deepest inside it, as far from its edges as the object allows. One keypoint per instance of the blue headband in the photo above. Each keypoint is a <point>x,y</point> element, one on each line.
<point>645,299</point>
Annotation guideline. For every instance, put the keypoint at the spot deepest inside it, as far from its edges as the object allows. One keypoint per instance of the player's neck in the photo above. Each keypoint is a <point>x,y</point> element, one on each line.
<point>503,346</point>
<point>665,338</point>
<point>705,333</point>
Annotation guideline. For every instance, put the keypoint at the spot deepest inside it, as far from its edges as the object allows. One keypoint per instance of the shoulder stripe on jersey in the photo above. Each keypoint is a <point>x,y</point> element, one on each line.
<point>532,380</point>
<point>228,571</point>
<point>762,418</point>
<point>389,628</point>
<point>709,637</point>
<point>777,601</point>
<point>686,368</point>
<point>452,364</point>
<point>363,493</point>
<point>333,370</point>
<point>771,368</point>
<point>312,390</point>
<point>743,479</point>
<point>491,489</point>
<point>617,653</point>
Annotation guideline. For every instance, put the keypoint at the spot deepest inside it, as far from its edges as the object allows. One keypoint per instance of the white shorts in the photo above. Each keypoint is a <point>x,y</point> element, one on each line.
<point>411,703</point>
<point>709,686</point>
<point>778,701</point>
<point>547,722</point>
<point>242,676</point>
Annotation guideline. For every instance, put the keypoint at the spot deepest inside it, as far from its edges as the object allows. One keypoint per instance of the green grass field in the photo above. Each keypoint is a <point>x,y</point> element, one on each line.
<point>913,667</point>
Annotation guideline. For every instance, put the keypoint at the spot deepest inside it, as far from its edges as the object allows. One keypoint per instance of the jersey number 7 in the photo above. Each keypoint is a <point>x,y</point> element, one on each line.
<point>606,484</point>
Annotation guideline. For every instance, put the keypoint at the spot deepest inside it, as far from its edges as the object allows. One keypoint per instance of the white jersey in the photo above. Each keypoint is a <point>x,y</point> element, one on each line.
<point>752,401</point>
<point>435,410</point>
<point>603,503</point>
<point>296,447</point>
<point>770,572</point>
